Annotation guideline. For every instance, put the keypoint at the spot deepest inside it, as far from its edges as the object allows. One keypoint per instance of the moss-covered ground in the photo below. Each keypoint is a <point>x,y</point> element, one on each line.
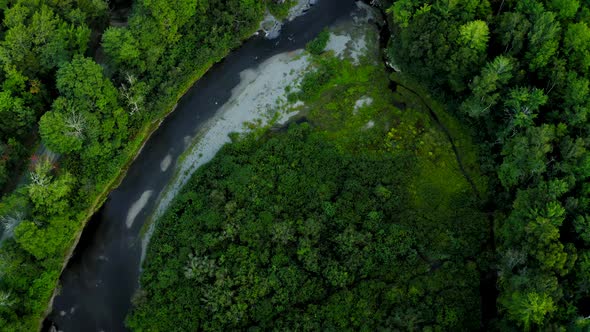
<point>363,107</point>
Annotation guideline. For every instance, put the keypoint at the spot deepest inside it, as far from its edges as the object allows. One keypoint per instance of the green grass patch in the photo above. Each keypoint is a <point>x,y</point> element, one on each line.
<point>415,96</point>
<point>318,45</point>
<point>352,104</point>
<point>333,91</point>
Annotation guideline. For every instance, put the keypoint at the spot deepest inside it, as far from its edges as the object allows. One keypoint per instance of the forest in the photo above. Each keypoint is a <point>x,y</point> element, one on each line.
<point>266,237</point>
<point>518,72</point>
<point>466,208</point>
<point>91,93</point>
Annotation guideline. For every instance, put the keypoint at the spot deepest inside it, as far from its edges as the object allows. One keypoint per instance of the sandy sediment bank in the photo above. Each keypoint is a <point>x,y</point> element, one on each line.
<point>258,100</point>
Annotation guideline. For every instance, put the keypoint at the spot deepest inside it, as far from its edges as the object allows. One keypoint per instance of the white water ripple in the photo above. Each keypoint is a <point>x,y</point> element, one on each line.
<point>166,163</point>
<point>137,207</point>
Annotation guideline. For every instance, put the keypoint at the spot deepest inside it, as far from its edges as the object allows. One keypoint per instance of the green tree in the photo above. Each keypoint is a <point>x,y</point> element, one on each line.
<point>485,87</point>
<point>40,41</point>
<point>15,118</point>
<point>83,83</point>
<point>512,30</point>
<point>530,309</point>
<point>525,155</point>
<point>169,17</point>
<point>402,12</point>
<point>87,113</point>
<point>577,45</point>
<point>14,80</point>
<point>575,99</point>
<point>50,195</point>
<point>523,105</point>
<point>566,9</point>
<point>543,40</point>
<point>475,35</point>
<point>122,47</point>
<point>63,132</point>
<point>44,242</point>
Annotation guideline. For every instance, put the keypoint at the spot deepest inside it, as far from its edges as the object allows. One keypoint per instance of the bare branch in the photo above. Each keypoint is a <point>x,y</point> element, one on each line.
<point>76,123</point>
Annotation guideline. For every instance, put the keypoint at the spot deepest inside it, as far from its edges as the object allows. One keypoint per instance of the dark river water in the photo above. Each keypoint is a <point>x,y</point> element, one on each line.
<point>100,279</point>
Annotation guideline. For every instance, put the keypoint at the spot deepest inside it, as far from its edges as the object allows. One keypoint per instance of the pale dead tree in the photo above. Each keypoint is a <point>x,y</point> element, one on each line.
<point>485,109</point>
<point>133,100</point>
<point>39,179</point>
<point>40,176</point>
<point>76,123</point>
<point>130,79</point>
<point>513,258</point>
<point>9,222</point>
<point>199,268</point>
<point>6,299</point>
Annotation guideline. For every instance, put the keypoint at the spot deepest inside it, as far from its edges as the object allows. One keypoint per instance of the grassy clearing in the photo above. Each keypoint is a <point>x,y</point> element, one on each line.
<point>440,190</point>
<point>416,97</point>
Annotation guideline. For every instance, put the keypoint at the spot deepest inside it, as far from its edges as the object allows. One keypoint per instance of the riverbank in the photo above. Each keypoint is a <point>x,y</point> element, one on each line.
<point>259,101</point>
<point>108,257</point>
<point>132,151</point>
<point>255,103</point>
<point>135,149</point>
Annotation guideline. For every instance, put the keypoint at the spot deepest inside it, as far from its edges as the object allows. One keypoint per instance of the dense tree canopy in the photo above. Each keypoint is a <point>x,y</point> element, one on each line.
<point>165,42</point>
<point>327,225</point>
<point>528,88</point>
<point>267,236</point>
<point>38,37</point>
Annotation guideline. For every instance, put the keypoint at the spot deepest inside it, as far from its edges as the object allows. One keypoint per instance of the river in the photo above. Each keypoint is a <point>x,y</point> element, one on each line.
<point>97,285</point>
